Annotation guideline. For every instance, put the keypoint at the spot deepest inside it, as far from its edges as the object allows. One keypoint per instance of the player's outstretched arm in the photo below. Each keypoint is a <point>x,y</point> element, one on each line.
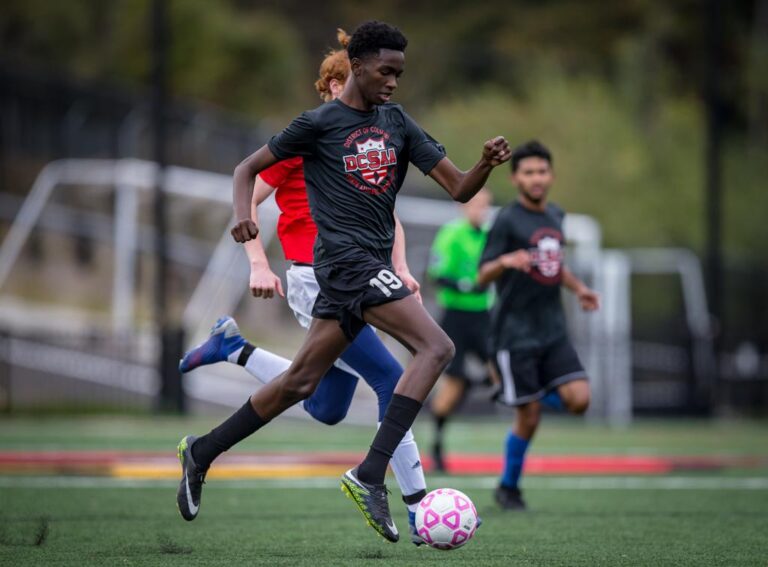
<point>588,298</point>
<point>263,281</point>
<point>492,269</point>
<point>463,185</point>
<point>244,178</point>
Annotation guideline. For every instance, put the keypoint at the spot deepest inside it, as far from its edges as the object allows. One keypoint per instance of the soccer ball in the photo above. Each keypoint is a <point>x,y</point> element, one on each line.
<point>446,518</point>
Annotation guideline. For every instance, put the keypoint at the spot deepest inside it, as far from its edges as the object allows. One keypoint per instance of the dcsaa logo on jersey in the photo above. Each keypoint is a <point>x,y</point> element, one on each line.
<point>546,255</point>
<point>373,161</point>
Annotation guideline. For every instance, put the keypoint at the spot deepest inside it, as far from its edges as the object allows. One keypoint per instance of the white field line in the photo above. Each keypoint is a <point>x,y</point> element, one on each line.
<point>479,482</point>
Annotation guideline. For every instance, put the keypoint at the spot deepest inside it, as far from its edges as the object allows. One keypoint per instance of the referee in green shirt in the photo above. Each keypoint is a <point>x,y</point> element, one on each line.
<point>454,260</point>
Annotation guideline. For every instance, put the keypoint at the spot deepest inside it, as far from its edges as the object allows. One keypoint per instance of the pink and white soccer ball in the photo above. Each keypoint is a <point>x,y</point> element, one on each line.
<point>446,518</point>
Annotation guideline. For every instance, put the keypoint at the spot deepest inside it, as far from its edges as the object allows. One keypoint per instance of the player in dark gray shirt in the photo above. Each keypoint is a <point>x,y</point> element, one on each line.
<point>356,150</point>
<point>531,354</point>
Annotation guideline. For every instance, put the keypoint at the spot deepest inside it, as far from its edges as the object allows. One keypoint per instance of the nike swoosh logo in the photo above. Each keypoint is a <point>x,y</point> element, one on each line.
<point>192,508</point>
<point>392,528</point>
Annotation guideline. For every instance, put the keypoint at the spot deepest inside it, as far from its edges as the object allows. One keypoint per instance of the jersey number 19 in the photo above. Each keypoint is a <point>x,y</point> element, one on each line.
<point>385,282</point>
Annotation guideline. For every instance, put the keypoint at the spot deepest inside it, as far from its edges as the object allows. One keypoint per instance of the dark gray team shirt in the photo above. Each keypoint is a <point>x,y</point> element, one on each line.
<point>354,165</point>
<point>528,313</point>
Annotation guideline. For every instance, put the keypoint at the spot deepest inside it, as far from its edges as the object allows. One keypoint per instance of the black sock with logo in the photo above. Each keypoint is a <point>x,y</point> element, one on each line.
<point>399,417</point>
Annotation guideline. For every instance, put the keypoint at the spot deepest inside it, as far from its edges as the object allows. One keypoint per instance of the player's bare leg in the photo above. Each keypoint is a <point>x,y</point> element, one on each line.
<point>323,344</point>
<point>408,322</point>
<point>527,418</point>
<point>450,392</point>
<point>575,396</point>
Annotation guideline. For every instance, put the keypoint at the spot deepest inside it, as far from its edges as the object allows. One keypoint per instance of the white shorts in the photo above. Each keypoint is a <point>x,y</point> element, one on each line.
<point>302,292</point>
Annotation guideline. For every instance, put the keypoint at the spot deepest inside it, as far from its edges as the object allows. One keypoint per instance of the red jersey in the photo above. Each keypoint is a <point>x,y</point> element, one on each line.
<point>295,227</point>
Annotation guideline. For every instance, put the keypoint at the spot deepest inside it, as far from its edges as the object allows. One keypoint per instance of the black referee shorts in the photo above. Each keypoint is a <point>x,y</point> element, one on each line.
<point>527,376</point>
<point>350,286</point>
<point>469,332</point>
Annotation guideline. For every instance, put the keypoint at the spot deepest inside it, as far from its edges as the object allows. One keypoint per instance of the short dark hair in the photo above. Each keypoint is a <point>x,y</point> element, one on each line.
<point>372,36</point>
<point>532,148</point>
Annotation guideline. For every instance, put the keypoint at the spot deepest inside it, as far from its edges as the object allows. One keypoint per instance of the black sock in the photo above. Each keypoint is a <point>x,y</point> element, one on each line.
<point>415,498</point>
<point>397,421</point>
<point>245,354</point>
<point>239,426</point>
<point>439,426</point>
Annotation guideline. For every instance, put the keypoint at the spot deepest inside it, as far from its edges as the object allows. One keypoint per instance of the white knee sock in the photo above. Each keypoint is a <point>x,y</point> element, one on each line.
<point>406,465</point>
<point>263,365</point>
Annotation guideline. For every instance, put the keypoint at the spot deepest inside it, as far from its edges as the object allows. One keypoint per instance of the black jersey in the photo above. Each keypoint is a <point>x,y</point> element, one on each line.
<point>528,313</point>
<point>354,164</point>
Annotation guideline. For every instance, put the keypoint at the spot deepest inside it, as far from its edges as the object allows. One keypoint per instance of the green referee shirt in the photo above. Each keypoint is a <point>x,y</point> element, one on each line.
<point>454,263</point>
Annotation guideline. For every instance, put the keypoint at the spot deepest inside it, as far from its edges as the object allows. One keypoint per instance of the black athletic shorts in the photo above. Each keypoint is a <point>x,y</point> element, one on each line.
<point>350,286</point>
<point>527,376</point>
<point>469,332</point>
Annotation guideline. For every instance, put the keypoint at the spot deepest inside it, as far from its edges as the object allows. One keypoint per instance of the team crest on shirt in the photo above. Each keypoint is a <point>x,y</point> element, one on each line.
<point>370,169</point>
<point>546,255</point>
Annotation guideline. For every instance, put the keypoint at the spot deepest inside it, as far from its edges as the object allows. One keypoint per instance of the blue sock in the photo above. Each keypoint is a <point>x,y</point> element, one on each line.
<point>513,460</point>
<point>411,518</point>
<point>371,359</point>
<point>553,401</point>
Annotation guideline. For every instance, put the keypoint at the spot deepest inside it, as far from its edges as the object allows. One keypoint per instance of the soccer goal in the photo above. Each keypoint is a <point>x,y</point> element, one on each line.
<point>215,276</point>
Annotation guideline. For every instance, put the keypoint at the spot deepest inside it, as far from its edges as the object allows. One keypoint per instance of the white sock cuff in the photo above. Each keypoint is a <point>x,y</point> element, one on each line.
<point>265,366</point>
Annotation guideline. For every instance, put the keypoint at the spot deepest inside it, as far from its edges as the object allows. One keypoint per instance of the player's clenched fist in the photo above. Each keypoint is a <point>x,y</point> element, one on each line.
<point>244,230</point>
<point>518,260</point>
<point>264,283</point>
<point>496,151</point>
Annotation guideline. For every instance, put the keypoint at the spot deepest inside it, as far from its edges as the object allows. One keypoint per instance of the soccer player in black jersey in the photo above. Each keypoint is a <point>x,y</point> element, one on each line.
<point>356,151</point>
<point>531,354</point>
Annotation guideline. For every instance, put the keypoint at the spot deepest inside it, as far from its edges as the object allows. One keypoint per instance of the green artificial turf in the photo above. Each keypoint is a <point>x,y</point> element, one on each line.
<point>705,518</point>
<point>245,523</point>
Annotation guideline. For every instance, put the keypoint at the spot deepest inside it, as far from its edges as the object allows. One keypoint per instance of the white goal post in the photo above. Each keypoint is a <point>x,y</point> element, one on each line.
<point>602,338</point>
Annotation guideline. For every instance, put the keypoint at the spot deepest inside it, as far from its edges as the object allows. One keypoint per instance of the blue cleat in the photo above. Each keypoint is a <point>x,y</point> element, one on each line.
<point>416,539</point>
<point>224,339</point>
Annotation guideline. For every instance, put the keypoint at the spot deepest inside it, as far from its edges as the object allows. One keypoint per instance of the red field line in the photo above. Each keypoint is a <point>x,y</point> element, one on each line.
<point>105,462</point>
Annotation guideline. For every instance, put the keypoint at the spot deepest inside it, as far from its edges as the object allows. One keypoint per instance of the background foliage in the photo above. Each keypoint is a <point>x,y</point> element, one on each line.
<point>614,88</point>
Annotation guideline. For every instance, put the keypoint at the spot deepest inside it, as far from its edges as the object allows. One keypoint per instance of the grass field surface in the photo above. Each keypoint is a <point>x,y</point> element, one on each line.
<point>714,517</point>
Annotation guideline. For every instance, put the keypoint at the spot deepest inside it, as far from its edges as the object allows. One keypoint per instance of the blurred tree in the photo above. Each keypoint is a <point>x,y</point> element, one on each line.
<point>255,57</point>
<point>247,61</point>
<point>614,87</point>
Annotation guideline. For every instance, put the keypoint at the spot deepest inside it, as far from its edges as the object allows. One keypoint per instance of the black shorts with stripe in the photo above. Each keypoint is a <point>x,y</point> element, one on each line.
<point>348,287</point>
<point>469,332</point>
<point>528,375</point>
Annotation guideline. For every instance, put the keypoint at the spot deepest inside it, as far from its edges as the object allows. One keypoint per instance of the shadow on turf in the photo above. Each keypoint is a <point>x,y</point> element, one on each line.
<point>170,547</point>
<point>42,529</point>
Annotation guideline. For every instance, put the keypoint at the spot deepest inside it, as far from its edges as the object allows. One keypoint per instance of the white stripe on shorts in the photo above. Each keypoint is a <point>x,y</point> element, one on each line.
<point>509,394</point>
